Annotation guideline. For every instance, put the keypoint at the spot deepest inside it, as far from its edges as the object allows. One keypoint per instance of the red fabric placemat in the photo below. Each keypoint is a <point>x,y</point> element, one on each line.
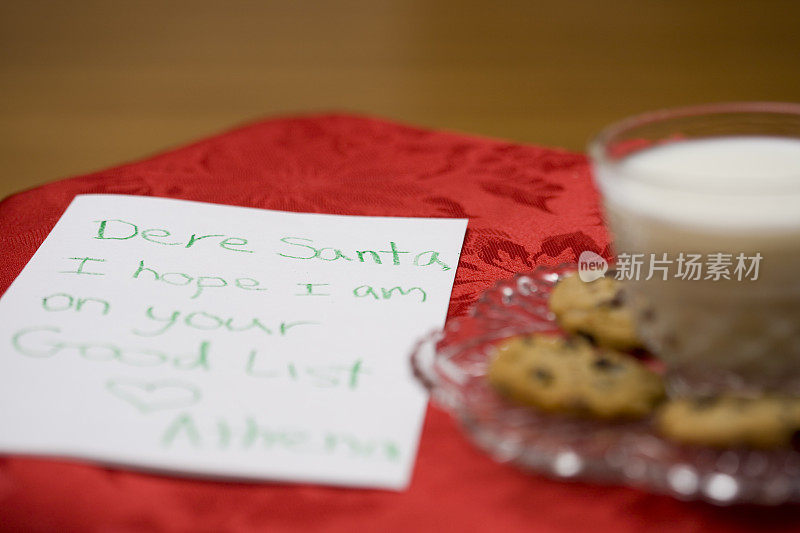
<point>527,206</point>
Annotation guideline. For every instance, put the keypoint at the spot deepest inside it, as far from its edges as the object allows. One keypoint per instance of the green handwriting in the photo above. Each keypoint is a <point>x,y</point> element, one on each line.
<point>311,289</point>
<point>44,342</point>
<point>122,230</point>
<point>322,376</point>
<point>197,283</point>
<point>249,434</point>
<point>205,321</point>
<point>303,248</point>
<point>62,301</point>
<point>82,265</point>
<point>364,291</point>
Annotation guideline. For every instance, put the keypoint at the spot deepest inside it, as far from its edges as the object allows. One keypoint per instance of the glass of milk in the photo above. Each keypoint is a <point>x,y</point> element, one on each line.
<point>716,186</point>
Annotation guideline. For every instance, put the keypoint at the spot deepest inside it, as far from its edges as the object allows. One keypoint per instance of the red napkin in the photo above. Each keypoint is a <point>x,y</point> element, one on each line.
<point>527,206</point>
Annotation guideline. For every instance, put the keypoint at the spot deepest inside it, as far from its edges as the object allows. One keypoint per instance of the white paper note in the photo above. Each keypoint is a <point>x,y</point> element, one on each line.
<point>223,341</point>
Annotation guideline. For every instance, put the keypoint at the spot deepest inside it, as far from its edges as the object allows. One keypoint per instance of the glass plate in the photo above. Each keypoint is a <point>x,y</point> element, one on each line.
<point>453,363</point>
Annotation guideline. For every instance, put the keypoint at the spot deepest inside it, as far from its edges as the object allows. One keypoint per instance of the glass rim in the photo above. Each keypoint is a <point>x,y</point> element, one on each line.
<point>598,145</point>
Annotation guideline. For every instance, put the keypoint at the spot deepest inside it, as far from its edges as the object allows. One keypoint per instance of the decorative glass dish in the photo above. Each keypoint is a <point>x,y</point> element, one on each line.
<point>453,364</point>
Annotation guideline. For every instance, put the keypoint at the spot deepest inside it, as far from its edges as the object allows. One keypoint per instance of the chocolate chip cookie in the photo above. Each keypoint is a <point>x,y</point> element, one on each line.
<point>727,421</point>
<point>595,309</point>
<point>571,376</point>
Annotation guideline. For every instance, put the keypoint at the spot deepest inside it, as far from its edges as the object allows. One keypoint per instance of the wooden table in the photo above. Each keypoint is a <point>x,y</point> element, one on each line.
<point>86,85</point>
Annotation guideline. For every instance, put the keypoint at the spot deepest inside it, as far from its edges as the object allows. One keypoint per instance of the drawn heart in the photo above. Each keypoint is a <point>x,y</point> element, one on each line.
<point>149,396</point>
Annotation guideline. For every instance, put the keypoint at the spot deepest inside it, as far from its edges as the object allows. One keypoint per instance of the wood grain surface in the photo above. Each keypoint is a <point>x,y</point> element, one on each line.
<point>89,84</point>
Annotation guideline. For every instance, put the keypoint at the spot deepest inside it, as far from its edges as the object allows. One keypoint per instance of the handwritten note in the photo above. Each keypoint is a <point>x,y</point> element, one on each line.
<point>223,341</point>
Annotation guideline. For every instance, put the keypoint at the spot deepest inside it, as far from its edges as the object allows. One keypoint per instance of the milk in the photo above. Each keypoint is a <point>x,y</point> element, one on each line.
<point>731,183</point>
<point>727,195</point>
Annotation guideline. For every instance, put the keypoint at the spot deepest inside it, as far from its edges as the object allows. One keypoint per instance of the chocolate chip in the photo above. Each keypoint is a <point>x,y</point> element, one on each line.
<point>742,403</point>
<point>588,336</point>
<point>616,302</point>
<point>578,405</point>
<point>572,342</point>
<point>795,440</point>
<point>605,364</point>
<point>503,389</point>
<point>670,342</point>
<point>705,402</point>
<point>543,376</point>
<point>648,315</point>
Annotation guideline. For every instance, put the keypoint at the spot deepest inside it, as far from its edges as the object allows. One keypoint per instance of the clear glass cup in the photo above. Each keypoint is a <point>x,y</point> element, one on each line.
<point>739,334</point>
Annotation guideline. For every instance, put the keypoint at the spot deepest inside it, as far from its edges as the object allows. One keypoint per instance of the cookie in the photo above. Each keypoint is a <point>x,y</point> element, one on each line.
<point>727,422</point>
<point>595,309</point>
<point>571,376</point>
